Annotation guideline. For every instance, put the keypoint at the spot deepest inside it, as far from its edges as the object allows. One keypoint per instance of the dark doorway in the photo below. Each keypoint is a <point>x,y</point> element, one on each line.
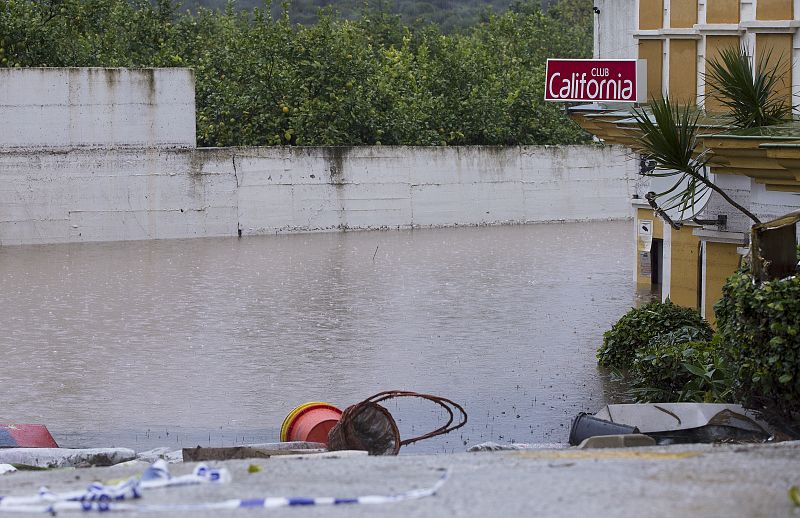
<point>657,261</point>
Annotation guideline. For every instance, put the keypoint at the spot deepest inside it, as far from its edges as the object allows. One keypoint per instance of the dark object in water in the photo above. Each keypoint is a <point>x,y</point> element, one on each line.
<point>368,426</point>
<point>724,426</point>
<point>675,423</point>
<point>586,425</point>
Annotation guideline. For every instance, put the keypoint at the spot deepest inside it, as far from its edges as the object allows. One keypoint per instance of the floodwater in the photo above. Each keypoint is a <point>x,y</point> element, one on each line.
<point>213,341</point>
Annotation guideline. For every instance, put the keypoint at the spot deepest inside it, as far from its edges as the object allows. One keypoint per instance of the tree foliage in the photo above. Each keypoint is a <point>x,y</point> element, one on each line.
<point>263,80</point>
<point>449,15</point>
<point>759,328</point>
<point>643,326</point>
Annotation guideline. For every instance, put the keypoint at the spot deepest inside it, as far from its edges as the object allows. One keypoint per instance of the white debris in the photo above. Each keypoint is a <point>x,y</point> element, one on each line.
<point>165,453</point>
<point>65,457</point>
<point>6,468</point>
<point>493,446</point>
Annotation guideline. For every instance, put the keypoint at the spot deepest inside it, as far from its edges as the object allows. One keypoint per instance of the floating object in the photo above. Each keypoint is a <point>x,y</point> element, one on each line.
<point>7,468</point>
<point>675,423</point>
<point>370,427</point>
<point>26,436</point>
<point>630,440</point>
<point>585,426</point>
<point>66,457</point>
<point>98,497</point>
<point>310,422</point>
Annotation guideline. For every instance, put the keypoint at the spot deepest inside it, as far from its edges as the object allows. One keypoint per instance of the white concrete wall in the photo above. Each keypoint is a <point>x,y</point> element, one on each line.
<point>109,154</point>
<point>96,107</point>
<point>85,194</point>
<point>767,205</point>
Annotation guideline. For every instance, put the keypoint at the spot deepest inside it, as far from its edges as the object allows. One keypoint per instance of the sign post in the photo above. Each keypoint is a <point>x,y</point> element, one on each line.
<point>596,80</point>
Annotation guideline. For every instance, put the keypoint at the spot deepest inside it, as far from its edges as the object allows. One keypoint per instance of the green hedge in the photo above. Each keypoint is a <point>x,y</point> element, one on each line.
<point>262,80</point>
<point>681,371</point>
<point>759,328</point>
<point>634,331</point>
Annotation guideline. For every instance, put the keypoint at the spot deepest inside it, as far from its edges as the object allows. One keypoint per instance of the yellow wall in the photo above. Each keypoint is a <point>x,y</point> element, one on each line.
<point>651,50</point>
<point>683,71</point>
<point>685,267</point>
<point>651,14</point>
<point>774,10</point>
<point>721,261</point>
<point>713,45</point>
<point>682,13</point>
<point>778,47</point>
<point>722,11</point>
<point>658,233</point>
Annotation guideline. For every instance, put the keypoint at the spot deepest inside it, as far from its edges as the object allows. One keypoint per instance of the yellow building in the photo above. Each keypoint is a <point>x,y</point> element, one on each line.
<point>760,169</point>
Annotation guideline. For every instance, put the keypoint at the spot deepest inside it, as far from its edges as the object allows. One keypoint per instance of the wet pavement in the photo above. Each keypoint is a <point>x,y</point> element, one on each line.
<point>723,480</point>
<point>213,341</point>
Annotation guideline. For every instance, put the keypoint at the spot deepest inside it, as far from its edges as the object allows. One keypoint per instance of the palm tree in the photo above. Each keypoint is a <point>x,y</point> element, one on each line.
<point>668,136</point>
<point>751,97</point>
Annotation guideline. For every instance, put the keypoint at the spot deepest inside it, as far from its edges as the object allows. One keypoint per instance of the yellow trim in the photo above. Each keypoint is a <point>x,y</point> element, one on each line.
<point>721,260</point>
<point>651,14</point>
<point>683,70</point>
<point>774,9</point>
<point>653,52</point>
<point>607,454</point>
<point>782,188</point>
<point>684,267</point>
<point>779,49</point>
<point>682,14</point>
<point>722,11</point>
<point>714,44</point>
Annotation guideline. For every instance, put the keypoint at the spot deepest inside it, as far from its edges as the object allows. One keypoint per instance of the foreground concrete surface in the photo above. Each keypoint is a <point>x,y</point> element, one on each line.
<point>695,480</point>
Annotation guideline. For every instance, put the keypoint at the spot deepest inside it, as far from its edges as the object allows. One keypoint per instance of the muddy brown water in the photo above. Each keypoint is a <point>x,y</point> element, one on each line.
<point>213,341</point>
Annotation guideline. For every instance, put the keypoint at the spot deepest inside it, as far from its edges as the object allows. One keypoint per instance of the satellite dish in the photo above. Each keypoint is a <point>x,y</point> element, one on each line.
<point>669,195</point>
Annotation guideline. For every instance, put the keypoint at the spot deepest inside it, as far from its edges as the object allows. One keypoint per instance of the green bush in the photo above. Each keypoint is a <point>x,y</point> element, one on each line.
<point>682,371</point>
<point>634,331</point>
<point>263,80</point>
<point>759,328</point>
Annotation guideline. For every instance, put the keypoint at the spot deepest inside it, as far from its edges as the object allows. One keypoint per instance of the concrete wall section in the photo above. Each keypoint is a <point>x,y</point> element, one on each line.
<point>297,189</point>
<point>96,107</point>
<point>769,205</point>
<point>106,194</point>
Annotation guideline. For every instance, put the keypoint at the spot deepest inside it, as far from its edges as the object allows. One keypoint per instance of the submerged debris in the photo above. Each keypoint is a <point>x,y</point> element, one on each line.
<point>369,426</point>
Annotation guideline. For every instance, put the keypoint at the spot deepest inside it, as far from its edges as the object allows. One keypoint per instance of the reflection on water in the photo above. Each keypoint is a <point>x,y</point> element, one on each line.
<point>213,341</point>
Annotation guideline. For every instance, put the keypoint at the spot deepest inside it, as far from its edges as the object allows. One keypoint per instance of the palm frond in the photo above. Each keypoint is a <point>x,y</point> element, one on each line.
<point>668,136</point>
<point>751,96</point>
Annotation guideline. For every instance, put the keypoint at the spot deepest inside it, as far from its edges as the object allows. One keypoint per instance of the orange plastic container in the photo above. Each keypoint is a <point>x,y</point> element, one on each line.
<point>310,422</point>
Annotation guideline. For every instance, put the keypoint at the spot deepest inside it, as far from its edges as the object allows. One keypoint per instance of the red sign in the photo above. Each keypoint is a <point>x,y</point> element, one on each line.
<point>590,80</point>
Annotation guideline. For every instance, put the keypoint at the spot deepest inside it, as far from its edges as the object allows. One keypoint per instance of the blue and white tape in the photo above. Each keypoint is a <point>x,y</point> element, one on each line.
<point>115,501</point>
<point>155,476</point>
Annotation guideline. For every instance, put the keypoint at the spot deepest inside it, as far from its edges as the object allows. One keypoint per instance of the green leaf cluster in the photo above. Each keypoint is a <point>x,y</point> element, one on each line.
<point>637,328</point>
<point>263,80</point>
<point>759,328</point>
<point>449,14</point>
<point>751,96</point>
<point>675,368</point>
